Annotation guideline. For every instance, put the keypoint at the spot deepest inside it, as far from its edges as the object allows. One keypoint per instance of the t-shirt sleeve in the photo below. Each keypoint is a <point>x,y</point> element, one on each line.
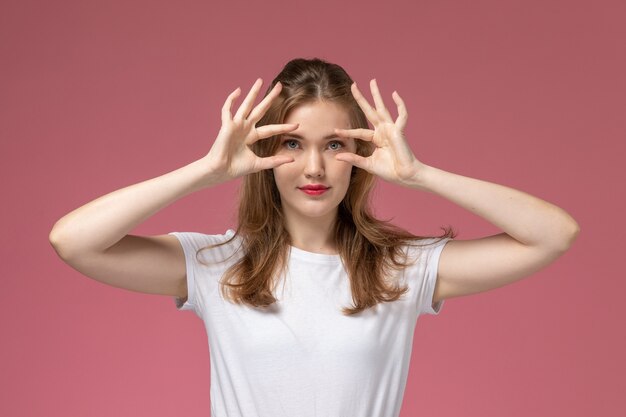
<point>191,242</point>
<point>427,268</point>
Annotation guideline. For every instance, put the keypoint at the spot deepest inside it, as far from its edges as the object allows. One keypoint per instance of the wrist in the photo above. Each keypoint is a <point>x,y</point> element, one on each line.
<point>422,178</point>
<point>208,175</point>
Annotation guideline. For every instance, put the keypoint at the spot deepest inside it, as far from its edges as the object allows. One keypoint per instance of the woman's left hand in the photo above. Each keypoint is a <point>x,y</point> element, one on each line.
<point>392,158</point>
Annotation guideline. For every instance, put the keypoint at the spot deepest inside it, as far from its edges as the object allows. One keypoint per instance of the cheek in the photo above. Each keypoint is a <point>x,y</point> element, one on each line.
<point>341,166</point>
<point>343,173</point>
<point>283,174</point>
<point>278,176</point>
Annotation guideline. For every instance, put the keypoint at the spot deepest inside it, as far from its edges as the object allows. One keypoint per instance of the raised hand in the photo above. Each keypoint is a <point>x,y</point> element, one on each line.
<point>230,156</point>
<point>392,158</point>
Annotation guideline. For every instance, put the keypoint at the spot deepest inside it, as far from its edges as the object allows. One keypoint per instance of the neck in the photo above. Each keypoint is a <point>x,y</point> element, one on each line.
<point>312,235</point>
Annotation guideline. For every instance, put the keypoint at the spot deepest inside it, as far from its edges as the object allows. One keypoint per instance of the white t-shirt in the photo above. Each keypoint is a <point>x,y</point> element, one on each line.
<point>303,357</point>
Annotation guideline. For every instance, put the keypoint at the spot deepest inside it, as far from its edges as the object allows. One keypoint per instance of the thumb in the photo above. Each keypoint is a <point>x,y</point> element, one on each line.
<point>274,161</point>
<point>352,158</point>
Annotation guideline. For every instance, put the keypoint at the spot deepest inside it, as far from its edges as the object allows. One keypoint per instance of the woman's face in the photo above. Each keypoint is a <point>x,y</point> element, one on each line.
<point>313,146</point>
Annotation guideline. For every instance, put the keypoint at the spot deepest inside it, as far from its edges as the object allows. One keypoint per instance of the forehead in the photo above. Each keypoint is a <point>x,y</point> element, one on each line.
<point>318,118</point>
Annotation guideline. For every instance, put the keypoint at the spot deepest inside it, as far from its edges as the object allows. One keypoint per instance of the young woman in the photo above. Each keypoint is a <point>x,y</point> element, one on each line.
<point>310,305</point>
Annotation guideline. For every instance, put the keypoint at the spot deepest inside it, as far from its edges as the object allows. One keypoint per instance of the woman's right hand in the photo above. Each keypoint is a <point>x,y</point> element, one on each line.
<point>230,156</point>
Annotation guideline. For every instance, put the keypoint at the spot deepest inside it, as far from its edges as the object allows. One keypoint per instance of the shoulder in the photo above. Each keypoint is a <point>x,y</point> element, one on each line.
<point>422,254</point>
<point>204,238</point>
<point>195,241</point>
<point>426,246</point>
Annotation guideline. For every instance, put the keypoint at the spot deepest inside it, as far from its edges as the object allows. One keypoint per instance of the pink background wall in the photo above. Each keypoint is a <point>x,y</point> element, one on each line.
<point>95,96</point>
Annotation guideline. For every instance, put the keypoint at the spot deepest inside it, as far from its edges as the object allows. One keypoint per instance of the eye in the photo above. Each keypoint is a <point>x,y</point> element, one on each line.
<point>335,145</point>
<point>291,144</point>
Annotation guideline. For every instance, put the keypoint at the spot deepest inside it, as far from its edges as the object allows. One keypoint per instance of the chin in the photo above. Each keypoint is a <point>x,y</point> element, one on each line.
<point>315,212</point>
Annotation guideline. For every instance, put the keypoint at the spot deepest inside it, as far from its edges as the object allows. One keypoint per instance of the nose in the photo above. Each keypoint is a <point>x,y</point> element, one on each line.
<point>314,166</point>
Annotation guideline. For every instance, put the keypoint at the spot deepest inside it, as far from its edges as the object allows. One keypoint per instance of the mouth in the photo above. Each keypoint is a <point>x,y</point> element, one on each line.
<point>316,189</point>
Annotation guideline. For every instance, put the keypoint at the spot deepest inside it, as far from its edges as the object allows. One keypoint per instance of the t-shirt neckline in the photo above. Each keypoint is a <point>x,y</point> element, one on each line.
<point>302,254</point>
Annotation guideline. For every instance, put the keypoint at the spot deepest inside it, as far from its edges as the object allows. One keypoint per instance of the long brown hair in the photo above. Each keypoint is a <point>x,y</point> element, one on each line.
<point>369,248</point>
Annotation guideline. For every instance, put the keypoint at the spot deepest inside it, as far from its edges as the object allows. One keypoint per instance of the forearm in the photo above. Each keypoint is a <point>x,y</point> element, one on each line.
<point>102,222</point>
<point>526,218</point>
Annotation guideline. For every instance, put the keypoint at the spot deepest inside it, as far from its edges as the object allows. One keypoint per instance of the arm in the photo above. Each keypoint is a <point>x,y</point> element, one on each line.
<point>535,234</point>
<point>535,231</point>
<point>99,224</point>
<point>94,238</point>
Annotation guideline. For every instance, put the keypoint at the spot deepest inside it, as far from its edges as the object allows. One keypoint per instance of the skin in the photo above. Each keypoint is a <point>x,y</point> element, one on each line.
<point>95,237</point>
<point>309,218</point>
<point>534,231</point>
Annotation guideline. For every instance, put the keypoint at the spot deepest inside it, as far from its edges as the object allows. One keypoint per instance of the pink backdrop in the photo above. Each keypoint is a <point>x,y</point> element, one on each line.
<point>95,96</point>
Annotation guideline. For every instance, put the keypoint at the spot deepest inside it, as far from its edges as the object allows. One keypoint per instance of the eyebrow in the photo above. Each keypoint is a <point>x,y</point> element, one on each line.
<point>331,136</point>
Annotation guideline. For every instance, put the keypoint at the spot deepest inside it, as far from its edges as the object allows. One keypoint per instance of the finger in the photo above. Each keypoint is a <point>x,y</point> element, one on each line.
<point>402,113</point>
<point>378,100</point>
<point>261,108</point>
<point>273,161</point>
<point>272,130</point>
<point>226,114</point>
<point>352,158</point>
<point>364,134</point>
<point>245,107</point>
<point>370,113</point>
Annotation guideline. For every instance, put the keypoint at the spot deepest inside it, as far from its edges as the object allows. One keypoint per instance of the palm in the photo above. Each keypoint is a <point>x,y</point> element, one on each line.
<point>392,158</point>
<point>236,155</point>
<point>231,156</point>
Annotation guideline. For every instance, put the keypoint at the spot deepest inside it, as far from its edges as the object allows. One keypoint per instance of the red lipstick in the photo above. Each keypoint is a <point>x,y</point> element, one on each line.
<point>314,189</point>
